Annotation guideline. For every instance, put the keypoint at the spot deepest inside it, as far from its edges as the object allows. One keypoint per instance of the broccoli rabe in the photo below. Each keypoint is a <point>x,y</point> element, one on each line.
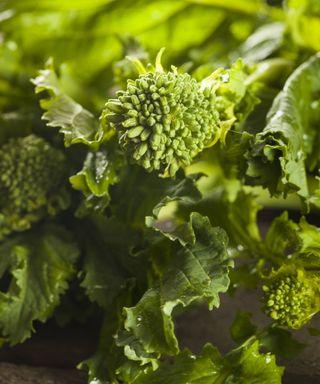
<point>32,175</point>
<point>164,119</point>
<point>291,296</point>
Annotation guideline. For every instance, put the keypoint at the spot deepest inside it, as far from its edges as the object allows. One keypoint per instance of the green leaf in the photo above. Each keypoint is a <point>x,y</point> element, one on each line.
<point>303,18</point>
<point>278,154</point>
<point>109,273</point>
<point>40,265</point>
<point>315,197</point>
<point>48,5</point>
<point>187,368</point>
<point>108,267</point>
<point>139,194</point>
<point>180,191</point>
<point>250,367</point>
<point>197,271</point>
<point>234,97</point>
<point>287,241</point>
<point>242,328</point>
<point>103,364</point>
<point>242,216</point>
<point>242,366</point>
<point>100,171</point>
<point>76,123</point>
<point>190,27</point>
<point>309,244</point>
<point>249,6</point>
<point>281,234</point>
<point>280,342</point>
<point>234,209</point>
<point>109,365</point>
<point>244,275</point>
<point>263,42</point>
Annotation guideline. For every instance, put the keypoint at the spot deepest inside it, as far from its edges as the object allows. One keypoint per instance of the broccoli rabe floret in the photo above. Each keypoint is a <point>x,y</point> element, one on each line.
<point>291,296</point>
<point>164,120</point>
<point>32,176</point>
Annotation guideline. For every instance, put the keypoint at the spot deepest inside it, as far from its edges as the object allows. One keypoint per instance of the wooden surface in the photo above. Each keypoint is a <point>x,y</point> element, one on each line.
<point>21,374</point>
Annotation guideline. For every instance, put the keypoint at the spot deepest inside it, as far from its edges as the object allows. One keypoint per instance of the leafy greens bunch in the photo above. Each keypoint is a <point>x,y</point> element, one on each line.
<point>140,184</point>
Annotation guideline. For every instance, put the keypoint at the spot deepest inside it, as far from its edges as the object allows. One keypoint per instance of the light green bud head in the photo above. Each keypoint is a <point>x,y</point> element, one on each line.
<point>164,120</point>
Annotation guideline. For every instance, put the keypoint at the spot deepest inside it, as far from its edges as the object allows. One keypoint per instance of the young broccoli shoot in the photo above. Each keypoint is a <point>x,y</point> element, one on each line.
<point>32,176</point>
<point>164,119</point>
<point>290,297</point>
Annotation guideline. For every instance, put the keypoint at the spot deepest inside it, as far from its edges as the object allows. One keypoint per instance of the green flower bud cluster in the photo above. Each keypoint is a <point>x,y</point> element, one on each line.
<point>291,299</point>
<point>164,120</point>
<point>32,173</point>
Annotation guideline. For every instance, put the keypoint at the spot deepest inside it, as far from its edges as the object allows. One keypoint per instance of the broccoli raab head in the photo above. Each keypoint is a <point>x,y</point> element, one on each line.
<point>164,120</point>
<point>291,297</point>
<point>32,176</point>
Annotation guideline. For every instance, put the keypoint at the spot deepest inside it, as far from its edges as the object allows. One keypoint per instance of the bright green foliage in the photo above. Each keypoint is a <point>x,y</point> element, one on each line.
<point>290,297</point>
<point>164,120</point>
<point>76,123</point>
<point>245,365</point>
<point>303,17</point>
<point>32,173</point>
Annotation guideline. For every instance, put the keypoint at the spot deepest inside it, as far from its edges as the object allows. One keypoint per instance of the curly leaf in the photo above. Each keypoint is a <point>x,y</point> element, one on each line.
<point>279,153</point>
<point>76,123</point>
<point>287,241</point>
<point>198,271</point>
<point>309,244</point>
<point>40,267</point>
<point>242,366</point>
<point>100,171</point>
<point>248,366</point>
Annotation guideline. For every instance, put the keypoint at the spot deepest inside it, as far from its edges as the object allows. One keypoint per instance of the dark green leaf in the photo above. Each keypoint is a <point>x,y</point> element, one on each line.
<point>40,265</point>
<point>107,260</point>
<point>278,155</point>
<point>100,171</point>
<point>242,328</point>
<point>309,244</point>
<point>281,235</point>
<point>281,342</point>
<point>139,194</point>
<point>103,364</point>
<point>198,271</point>
<point>233,209</point>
